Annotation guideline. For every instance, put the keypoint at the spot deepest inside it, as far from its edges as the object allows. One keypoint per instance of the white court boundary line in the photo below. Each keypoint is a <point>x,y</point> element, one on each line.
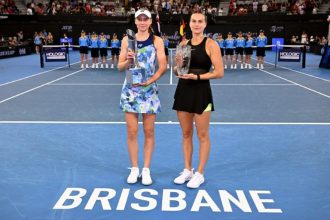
<point>37,74</point>
<point>161,123</point>
<point>38,87</point>
<point>305,87</point>
<point>166,84</point>
<point>283,67</point>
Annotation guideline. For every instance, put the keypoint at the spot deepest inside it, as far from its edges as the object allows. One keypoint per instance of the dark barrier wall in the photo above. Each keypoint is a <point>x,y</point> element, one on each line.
<point>6,52</point>
<point>274,25</point>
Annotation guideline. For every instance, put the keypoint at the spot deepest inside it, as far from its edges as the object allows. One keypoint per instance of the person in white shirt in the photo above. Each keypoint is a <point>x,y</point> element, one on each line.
<point>220,12</point>
<point>264,7</point>
<point>314,12</point>
<point>303,38</point>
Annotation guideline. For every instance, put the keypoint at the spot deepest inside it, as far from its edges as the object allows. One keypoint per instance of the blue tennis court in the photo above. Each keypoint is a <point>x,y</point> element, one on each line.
<point>63,152</point>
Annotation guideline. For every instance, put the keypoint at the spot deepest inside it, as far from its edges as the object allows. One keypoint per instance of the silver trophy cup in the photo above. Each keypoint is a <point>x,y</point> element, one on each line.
<point>183,54</point>
<point>135,74</point>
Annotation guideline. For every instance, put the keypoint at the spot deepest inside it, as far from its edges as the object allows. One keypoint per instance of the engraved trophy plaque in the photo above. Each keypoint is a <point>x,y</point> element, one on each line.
<point>135,74</point>
<point>183,53</point>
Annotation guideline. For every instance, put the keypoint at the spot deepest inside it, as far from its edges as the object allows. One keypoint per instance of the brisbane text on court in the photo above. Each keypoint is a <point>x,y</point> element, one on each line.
<point>172,200</point>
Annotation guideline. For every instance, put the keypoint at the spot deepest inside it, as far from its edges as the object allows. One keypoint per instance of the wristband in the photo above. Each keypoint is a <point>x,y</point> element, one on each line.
<point>198,77</point>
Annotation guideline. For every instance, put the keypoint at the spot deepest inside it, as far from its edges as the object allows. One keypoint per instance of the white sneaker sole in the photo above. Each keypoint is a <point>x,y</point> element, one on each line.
<point>146,184</point>
<point>180,183</point>
<point>132,182</point>
<point>195,187</point>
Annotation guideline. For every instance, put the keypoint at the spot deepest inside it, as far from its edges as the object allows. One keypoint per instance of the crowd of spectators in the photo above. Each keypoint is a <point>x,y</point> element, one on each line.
<point>114,8</point>
<point>8,7</point>
<point>176,7</point>
<point>55,7</point>
<point>289,7</point>
<point>13,41</point>
<point>309,40</point>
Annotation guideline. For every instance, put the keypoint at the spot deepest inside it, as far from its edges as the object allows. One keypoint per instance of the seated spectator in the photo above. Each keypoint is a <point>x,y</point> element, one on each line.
<point>304,38</point>
<point>20,36</point>
<point>314,12</point>
<point>264,8</point>
<point>241,11</point>
<point>283,8</point>
<point>255,6</point>
<point>220,12</point>
<point>12,42</point>
<point>29,10</point>
<point>323,41</point>
<point>49,39</point>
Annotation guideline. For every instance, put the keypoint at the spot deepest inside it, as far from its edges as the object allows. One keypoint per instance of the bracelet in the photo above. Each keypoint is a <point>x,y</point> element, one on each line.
<point>198,77</point>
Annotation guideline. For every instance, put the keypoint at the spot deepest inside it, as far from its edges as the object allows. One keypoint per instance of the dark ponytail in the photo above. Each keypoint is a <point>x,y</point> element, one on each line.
<point>151,31</point>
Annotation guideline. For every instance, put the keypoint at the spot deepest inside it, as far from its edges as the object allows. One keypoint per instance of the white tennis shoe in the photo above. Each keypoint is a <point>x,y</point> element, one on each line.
<point>196,180</point>
<point>185,176</point>
<point>146,178</point>
<point>133,176</point>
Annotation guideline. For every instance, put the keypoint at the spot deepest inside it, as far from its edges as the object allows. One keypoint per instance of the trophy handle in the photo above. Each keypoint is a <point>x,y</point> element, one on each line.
<point>130,34</point>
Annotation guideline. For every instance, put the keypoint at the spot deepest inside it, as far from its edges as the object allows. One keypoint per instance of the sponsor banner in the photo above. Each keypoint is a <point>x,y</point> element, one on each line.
<point>66,41</point>
<point>277,41</point>
<point>55,55</point>
<point>289,55</point>
<point>14,51</point>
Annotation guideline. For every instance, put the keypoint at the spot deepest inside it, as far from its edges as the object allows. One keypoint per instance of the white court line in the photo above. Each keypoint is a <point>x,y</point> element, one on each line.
<point>283,67</point>
<point>305,87</point>
<point>30,90</point>
<point>295,71</point>
<point>166,84</point>
<point>37,74</point>
<point>162,122</point>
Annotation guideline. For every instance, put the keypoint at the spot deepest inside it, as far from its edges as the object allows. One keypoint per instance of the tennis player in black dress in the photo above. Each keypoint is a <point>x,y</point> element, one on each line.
<point>193,99</point>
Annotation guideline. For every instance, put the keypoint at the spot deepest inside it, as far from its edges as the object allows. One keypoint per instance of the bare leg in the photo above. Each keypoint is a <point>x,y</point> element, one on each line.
<point>132,131</point>
<point>202,123</point>
<point>149,138</point>
<point>186,123</point>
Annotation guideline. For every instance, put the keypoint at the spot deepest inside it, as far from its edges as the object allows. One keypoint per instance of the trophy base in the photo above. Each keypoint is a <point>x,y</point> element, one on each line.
<point>135,75</point>
<point>182,70</point>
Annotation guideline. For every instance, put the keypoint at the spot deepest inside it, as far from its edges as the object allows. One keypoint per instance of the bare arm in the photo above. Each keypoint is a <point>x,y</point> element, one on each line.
<point>213,50</point>
<point>123,60</point>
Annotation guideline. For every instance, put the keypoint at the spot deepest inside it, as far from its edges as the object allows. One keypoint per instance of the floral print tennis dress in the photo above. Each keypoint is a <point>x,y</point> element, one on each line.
<point>142,99</point>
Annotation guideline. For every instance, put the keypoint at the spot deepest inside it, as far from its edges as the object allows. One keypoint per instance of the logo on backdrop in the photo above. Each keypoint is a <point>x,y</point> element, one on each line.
<point>7,53</point>
<point>289,55</point>
<point>55,55</point>
<point>67,28</point>
<point>275,29</point>
<point>22,51</point>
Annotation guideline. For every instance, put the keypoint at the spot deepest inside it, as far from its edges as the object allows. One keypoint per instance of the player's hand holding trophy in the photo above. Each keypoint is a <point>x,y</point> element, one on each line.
<point>135,74</point>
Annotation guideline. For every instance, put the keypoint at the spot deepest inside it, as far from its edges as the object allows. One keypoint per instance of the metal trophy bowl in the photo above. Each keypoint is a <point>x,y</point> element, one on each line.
<point>183,53</point>
<point>135,74</point>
